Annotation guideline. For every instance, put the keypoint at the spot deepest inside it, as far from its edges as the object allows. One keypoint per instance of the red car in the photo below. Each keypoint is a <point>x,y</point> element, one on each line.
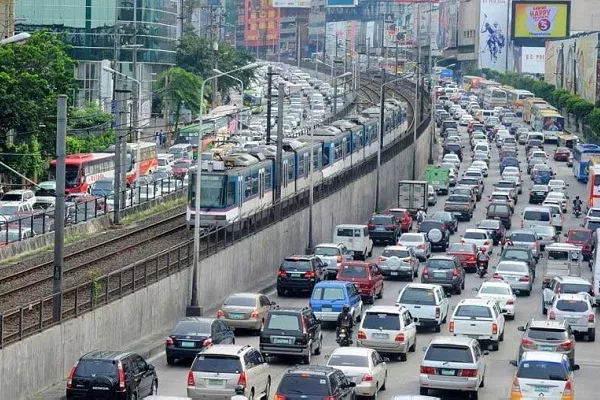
<point>366,276</point>
<point>466,253</point>
<point>562,154</point>
<point>403,216</point>
<point>180,168</point>
<point>583,238</point>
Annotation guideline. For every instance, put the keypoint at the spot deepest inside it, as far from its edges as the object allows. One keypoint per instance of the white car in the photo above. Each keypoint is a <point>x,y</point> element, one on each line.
<point>593,212</point>
<point>482,166</point>
<point>480,238</point>
<point>543,375</point>
<point>465,119</point>
<point>560,197</point>
<point>363,366</point>
<point>501,292</point>
<point>428,304</point>
<point>417,241</point>
<point>578,310</point>
<point>453,158</point>
<point>479,319</point>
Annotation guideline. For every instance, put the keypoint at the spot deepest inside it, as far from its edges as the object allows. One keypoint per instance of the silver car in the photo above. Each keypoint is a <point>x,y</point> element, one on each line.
<point>526,238</point>
<point>418,242</point>
<point>333,255</point>
<point>577,310</point>
<point>357,364</point>
<point>452,363</point>
<point>516,274</point>
<point>399,262</point>
<point>546,235</point>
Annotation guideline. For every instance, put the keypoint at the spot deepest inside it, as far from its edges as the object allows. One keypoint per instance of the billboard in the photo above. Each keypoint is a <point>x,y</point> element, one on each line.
<point>342,3</point>
<point>572,64</point>
<point>493,21</point>
<point>291,3</point>
<point>534,22</point>
<point>448,24</point>
<point>533,60</point>
<point>417,1</point>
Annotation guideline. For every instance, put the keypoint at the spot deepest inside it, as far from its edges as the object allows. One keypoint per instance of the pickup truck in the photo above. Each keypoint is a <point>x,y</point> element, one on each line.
<point>428,304</point>
<point>480,319</point>
<point>472,183</point>
<point>459,205</point>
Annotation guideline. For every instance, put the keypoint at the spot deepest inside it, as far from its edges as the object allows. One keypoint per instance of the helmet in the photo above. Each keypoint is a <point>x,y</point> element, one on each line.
<point>576,197</point>
<point>346,308</point>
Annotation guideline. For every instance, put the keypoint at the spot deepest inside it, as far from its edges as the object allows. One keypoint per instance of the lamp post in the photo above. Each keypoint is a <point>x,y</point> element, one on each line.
<point>137,94</point>
<point>381,132</point>
<point>193,310</point>
<point>138,83</point>
<point>327,65</point>
<point>310,246</point>
<point>220,73</point>
<point>335,89</point>
<point>18,38</point>
<point>415,123</point>
<point>431,122</point>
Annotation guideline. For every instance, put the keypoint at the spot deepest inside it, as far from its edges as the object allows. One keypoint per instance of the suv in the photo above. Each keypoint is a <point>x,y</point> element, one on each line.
<point>217,371</point>
<point>365,276</point>
<point>577,310</point>
<point>500,212</point>
<point>293,332</point>
<point>428,304</point>
<point>315,382</point>
<point>436,232</point>
<point>565,285</point>
<point>300,274</point>
<point>480,319</point>
<point>582,238</point>
<point>333,255</point>
<point>445,271</point>
<point>111,374</point>
<point>384,228</point>
<point>553,336</point>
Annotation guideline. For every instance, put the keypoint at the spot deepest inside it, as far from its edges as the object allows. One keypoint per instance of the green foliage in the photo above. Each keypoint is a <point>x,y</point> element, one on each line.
<point>582,108</point>
<point>570,104</point>
<point>557,94</point>
<point>593,120</point>
<point>90,143</point>
<point>178,87</point>
<point>562,100</point>
<point>89,117</point>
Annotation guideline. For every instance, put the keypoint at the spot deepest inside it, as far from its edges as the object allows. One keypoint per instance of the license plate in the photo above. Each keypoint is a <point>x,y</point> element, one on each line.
<point>447,372</point>
<point>188,344</point>
<point>215,382</point>
<point>236,316</point>
<point>381,336</point>
<point>296,275</point>
<point>326,309</point>
<point>541,389</point>
<point>573,321</point>
<point>546,348</point>
<point>394,274</point>
<point>281,341</point>
<point>439,274</point>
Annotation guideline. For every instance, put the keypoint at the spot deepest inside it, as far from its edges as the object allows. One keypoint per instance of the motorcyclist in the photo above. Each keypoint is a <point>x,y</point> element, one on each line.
<point>345,320</point>
<point>577,203</point>
<point>239,393</point>
<point>483,258</point>
<point>421,216</point>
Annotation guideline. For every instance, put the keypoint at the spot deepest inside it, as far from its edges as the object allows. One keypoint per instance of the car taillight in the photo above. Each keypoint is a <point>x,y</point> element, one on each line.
<point>71,375</point>
<point>242,380</point>
<point>254,314</point>
<point>438,311</point>
<point>339,259</point>
<point>524,279</point>
<point>494,328</point>
<point>371,226</point>
<point>455,272</point>
<point>309,274</point>
<point>425,272</point>
<point>515,386</point>
<point>451,326</point>
<point>304,330</point>
<point>468,373</point>
<point>362,335</point>
<point>367,378</point>
<point>551,315</point>
<point>399,337</point>
<point>497,276</point>
<point>527,343</point>
<point>566,346</point>
<point>591,318</point>
<point>390,227</point>
<point>121,376</point>
<point>220,314</point>
<point>279,397</point>
<point>427,370</point>
<point>191,379</point>
<point>381,258</point>
<point>568,391</point>
<point>281,272</point>
<point>207,342</point>
<point>169,341</point>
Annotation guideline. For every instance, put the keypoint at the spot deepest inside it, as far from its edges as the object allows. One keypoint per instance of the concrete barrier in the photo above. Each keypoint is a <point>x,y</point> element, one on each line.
<point>45,359</point>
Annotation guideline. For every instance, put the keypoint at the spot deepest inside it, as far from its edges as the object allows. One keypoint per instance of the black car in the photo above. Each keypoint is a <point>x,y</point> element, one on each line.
<point>446,271</point>
<point>436,232</point>
<point>538,194</point>
<point>449,220</point>
<point>117,375</point>
<point>453,148</point>
<point>300,274</point>
<point>292,332</point>
<point>500,212</point>
<point>494,228</point>
<point>192,334</point>
<point>315,382</point>
<point>384,228</point>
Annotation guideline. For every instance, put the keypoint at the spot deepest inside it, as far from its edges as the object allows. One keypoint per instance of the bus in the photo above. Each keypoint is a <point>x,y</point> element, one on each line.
<point>550,123</point>
<point>593,185</point>
<point>253,98</point>
<point>494,97</point>
<point>528,107</point>
<point>516,99</point>
<point>470,82</point>
<point>582,154</point>
<point>207,131</point>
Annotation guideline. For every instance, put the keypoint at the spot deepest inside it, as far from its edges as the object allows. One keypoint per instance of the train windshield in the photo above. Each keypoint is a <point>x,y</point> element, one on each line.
<point>213,191</point>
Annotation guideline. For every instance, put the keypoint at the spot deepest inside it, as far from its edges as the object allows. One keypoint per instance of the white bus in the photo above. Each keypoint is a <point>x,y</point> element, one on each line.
<point>515,99</point>
<point>494,97</point>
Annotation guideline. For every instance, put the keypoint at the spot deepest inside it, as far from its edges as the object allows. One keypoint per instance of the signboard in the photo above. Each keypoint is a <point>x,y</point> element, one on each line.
<point>417,1</point>
<point>534,22</point>
<point>533,60</point>
<point>342,3</point>
<point>493,21</point>
<point>291,3</point>
<point>448,25</point>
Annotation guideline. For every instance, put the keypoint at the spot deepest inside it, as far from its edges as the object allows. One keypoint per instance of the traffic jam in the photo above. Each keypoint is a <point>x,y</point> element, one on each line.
<point>480,283</point>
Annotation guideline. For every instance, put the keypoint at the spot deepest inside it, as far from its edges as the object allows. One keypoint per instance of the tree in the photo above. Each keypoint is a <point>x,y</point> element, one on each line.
<point>593,119</point>
<point>178,87</point>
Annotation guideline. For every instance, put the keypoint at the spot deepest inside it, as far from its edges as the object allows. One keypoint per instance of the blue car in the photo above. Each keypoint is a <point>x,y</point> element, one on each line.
<point>329,297</point>
<point>508,162</point>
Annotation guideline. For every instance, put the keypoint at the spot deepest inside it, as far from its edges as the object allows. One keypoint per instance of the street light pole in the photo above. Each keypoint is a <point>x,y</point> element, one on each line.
<point>335,89</point>
<point>218,72</point>
<point>311,183</point>
<point>415,124</point>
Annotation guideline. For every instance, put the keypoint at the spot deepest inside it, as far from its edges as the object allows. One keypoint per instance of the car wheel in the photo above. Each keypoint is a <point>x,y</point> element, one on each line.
<point>501,338</point>
<point>268,388</point>
<point>318,350</point>
<point>380,294</point>
<point>413,348</point>
<point>133,396</point>
<point>423,391</point>
<point>372,297</point>
<point>495,345</point>
<point>416,273</point>
<point>458,290</point>
<point>306,359</point>
<point>402,357</point>
<point>544,310</point>
<point>382,388</point>
<point>170,360</point>
<point>592,335</point>
<point>371,252</point>
<point>482,384</point>
<point>154,388</point>
<point>474,395</point>
<point>280,292</point>
<point>437,328</point>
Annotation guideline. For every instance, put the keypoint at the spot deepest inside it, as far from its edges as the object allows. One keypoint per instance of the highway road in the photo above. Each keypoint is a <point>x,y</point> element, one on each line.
<point>404,376</point>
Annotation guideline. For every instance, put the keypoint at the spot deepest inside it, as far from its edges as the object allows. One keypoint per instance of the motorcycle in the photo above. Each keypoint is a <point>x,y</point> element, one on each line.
<point>577,211</point>
<point>343,337</point>
<point>482,268</point>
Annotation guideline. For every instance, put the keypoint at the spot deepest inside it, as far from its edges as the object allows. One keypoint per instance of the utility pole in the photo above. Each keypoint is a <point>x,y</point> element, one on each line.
<point>120,155</point>
<point>431,94</point>
<point>380,141</point>
<point>298,41</point>
<point>279,153</point>
<point>59,213</point>
<point>575,68</point>
<point>269,89</point>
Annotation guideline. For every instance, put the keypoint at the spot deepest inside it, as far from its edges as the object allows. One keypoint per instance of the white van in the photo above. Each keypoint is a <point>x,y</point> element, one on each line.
<point>356,239</point>
<point>536,216</point>
<point>182,150</point>
<point>482,115</point>
<point>535,135</point>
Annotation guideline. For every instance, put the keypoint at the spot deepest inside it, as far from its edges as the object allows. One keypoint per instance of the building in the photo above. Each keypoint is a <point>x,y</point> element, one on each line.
<point>7,18</point>
<point>146,32</point>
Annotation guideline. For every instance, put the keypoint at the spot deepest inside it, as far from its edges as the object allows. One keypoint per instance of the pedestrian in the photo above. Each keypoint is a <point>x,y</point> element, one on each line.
<point>163,138</point>
<point>157,138</point>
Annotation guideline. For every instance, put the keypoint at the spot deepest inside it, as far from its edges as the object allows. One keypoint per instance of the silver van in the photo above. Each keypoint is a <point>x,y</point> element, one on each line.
<point>536,216</point>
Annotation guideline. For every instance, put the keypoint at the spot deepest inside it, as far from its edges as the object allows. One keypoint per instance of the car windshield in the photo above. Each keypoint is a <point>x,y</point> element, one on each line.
<point>426,226</point>
<point>515,254</point>
<point>505,184</point>
<point>197,328</point>
<point>220,364</point>
<point>411,238</point>
<point>461,248</point>
<point>547,334</point>
<point>328,293</point>
<point>500,290</point>
<point>240,301</point>
<point>441,216</point>
<point>457,198</point>
<point>417,296</point>
<point>287,322</point>
<point>297,265</point>
<point>381,321</point>
<point>475,235</point>
<point>489,224</point>
<point>93,368</point>
<point>327,251</point>
<point>181,165</point>
<point>591,224</point>
<point>575,287</point>
<point>544,230</point>
<point>522,237</point>
<point>353,271</point>
<point>580,236</point>
<point>571,305</point>
<point>306,384</point>
<point>449,353</point>
<point>473,311</point>
<point>469,181</point>
<point>347,360</point>
<point>539,188</point>
<point>594,212</point>
<point>8,210</point>
<point>395,253</point>
<point>542,370</point>
<point>434,263</point>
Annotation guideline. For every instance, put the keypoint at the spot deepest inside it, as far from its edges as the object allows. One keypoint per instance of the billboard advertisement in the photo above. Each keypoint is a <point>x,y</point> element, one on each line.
<point>291,3</point>
<point>493,20</point>
<point>572,64</point>
<point>535,22</point>
<point>533,60</point>
<point>335,41</point>
<point>342,3</point>
<point>448,24</point>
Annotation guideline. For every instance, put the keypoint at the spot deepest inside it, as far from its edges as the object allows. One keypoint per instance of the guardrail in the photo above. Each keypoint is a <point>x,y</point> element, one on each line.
<point>102,290</point>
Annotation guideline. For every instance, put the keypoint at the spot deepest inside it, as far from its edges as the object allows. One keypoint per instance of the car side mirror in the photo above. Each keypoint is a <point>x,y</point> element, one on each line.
<point>485,352</point>
<point>350,384</point>
<point>448,295</point>
<point>513,363</point>
<point>521,328</point>
<point>475,289</point>
<point>594,305</point>
<point>576,367</point>
<point>151,367</point>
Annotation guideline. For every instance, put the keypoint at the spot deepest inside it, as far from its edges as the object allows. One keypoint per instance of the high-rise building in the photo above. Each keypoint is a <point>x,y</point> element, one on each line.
<point>146,32</point>
<point>7,18</point>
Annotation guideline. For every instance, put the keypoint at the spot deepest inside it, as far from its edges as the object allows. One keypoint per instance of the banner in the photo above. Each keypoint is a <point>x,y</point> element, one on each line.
<point>448,24</point>
<point>493,22</point>
<point>533,60</point>
<point>291,3</point>
<point>535,22</point>
<point>341,3</point>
